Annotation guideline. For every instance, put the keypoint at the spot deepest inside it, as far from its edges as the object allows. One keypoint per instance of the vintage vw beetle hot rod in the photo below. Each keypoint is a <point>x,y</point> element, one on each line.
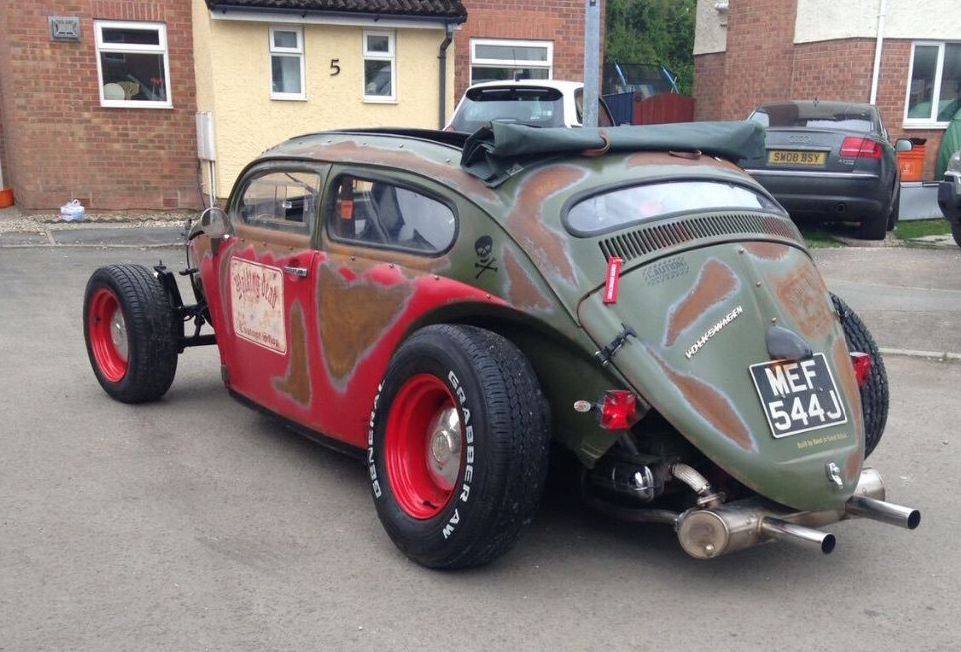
<point>448,306</point>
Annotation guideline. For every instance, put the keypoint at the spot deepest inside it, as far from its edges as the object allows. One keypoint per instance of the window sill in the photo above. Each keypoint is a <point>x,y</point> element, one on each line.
<point>288,98</point>
<point>929,126</point>
<point>123,104</point>
<point>380,100</point>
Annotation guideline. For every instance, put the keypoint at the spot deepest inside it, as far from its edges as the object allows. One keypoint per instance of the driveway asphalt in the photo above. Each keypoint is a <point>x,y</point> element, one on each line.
<point>196,523</point>
<point>910,298</point>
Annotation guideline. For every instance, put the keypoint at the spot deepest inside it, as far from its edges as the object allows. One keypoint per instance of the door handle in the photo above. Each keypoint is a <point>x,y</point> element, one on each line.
<point>299,272</point>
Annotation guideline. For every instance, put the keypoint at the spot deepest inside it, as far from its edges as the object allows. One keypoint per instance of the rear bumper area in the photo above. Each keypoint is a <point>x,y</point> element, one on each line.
<point>949,199</point>
<point>825,194</point>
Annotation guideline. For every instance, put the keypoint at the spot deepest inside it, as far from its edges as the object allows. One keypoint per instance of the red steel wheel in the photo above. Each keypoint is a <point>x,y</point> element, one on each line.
<point>423,446</point>
<point>131,332</point>
<point>108,335</point>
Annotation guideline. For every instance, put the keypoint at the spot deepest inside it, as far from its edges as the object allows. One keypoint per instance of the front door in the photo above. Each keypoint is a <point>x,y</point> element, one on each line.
<point>267,288</point>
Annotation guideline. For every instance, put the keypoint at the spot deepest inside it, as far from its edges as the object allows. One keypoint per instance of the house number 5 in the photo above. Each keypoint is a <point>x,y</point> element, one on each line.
<point>335,67</point>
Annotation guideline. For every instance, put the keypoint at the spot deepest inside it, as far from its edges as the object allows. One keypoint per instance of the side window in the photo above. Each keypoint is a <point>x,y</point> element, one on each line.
<point>383,214</point>
<point>285,201</point>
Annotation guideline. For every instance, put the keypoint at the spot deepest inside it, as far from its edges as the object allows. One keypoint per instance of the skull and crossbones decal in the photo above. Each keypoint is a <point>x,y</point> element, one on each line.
<point>484,246</point>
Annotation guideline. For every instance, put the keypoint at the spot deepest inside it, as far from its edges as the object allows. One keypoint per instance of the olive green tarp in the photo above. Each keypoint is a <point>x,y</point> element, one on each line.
<point>496,152</point>
<point>950,144</point>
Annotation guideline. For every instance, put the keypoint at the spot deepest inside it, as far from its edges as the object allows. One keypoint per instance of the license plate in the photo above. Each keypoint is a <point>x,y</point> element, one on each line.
<point>791,157</point>
<point>798,396</point>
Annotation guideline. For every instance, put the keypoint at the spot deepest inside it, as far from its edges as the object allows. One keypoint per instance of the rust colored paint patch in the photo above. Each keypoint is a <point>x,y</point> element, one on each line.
<point>547,247</point>
<point>663,159</point>
<point>296,384</point>
<point>716,282</point>
<point>805,297</point>
<point>766,250</point>
<point>713,406</point>
<point>353,316</point>
<point>522,292</point>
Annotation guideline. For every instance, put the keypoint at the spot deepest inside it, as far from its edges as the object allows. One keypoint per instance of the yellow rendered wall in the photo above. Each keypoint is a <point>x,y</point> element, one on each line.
<point>233,81</point>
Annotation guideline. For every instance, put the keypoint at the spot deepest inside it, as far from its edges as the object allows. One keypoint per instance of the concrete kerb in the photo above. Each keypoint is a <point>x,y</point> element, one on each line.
<point>939,356</point>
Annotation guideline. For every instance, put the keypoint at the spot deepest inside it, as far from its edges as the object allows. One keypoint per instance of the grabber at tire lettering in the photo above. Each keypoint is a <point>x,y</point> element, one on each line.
<point>458,446</point>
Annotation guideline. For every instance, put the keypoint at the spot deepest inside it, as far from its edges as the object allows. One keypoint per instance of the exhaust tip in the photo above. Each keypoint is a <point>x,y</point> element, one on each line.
<point>914,519</point>
<point>828,543</point>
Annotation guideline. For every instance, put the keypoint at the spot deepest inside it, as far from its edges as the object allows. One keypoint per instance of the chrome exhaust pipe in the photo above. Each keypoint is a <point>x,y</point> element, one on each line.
<point>775,528</point>
<point>882,511</point>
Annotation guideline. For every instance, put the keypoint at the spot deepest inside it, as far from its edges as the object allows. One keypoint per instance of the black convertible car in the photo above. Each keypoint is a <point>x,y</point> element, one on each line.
<point>830,161</point>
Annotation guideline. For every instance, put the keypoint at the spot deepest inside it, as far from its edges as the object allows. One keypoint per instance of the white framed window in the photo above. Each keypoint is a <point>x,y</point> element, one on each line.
<point>934,84</point>
<point>380,66</point>
<point>133,67</point>
<point>500,60</point>
<point>287,63</point>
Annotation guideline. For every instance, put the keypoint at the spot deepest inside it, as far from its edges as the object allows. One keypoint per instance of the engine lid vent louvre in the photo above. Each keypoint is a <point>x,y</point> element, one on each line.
<point>650,238</point>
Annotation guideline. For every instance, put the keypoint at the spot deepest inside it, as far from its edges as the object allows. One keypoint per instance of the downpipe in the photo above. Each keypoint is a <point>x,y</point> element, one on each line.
<point>722,529</point>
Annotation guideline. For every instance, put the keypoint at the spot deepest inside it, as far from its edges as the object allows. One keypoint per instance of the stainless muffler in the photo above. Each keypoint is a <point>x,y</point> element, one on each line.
<point>723,529</point>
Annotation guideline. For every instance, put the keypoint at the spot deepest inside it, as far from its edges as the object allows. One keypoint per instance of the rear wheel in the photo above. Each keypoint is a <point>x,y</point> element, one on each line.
<point>458,446</point>
<point>874,393</point>
<point>130,330</point>
<point>874,228</point>
<point>895,215</point>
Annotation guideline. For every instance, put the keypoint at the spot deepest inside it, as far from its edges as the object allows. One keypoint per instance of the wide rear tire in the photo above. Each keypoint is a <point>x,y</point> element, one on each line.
<point>458,446</point>
<point>131,333</point>
<point>874,393</point>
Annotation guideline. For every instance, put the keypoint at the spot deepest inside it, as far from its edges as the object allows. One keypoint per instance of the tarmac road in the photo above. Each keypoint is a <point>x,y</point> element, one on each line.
<point>197,523</point>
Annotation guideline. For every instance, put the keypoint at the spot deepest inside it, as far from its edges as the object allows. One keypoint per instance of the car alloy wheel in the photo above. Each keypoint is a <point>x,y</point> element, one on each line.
<point>423,446</point>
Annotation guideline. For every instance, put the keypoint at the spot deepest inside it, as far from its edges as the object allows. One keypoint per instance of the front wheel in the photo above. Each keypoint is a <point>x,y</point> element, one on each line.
<point>130,329</point>
<point>458,446</point>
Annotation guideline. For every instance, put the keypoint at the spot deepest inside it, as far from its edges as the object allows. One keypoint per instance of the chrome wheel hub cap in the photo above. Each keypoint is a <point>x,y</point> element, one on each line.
<point>444,442</point>
<point>118,333</point>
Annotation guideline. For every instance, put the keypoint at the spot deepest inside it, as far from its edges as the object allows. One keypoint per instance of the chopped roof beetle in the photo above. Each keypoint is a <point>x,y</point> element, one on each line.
<point>446,307</point>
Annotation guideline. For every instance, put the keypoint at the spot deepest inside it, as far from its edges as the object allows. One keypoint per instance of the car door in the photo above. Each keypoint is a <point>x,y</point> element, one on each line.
<point>383,246</point>
<point>267,287</point>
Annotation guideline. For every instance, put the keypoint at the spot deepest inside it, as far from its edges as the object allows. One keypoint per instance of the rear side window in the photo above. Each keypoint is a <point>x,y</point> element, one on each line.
<point>625,206</point>
<point>535,107</point>
<point>379,213</point>
<point>283,200</point>
<point>846,118</point>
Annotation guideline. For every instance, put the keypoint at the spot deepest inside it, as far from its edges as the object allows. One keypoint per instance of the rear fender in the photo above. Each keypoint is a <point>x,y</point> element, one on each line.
<point>696,373</point>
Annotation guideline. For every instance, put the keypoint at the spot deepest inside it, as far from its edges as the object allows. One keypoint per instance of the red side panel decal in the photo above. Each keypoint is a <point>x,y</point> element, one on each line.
<point>612,288</point>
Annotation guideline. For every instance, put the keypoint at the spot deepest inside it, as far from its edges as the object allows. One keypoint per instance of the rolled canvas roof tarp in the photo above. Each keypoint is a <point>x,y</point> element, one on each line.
<point>496,152</point>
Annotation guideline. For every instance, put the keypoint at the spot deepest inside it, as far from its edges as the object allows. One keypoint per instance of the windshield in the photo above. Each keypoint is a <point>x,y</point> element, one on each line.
<point>619,208</point>
<point>535,107</point>
<point>816,116</point>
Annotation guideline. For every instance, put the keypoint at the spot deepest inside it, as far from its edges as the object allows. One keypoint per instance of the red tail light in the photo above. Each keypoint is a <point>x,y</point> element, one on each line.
<point>854,147</point>
<point>618,410</point>
<point>863,363</point>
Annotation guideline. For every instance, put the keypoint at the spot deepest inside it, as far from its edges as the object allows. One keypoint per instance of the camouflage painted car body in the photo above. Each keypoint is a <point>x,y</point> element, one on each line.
<point>515,268</point>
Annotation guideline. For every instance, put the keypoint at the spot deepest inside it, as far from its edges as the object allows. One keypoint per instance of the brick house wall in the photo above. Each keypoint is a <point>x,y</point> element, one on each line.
<point>762,64</point>
<point>758,62</point>
<point>60,143</point>
<point>559,21</point>
<point>709,86</point>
